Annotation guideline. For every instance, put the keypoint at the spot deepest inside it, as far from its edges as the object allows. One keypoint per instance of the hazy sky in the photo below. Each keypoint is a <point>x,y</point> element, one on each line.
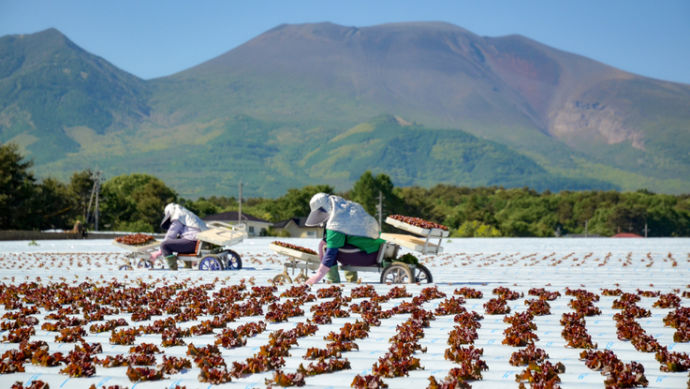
<point>156,38</point>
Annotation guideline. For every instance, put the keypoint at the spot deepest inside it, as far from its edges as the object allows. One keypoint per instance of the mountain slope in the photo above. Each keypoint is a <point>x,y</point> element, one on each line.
<point>625,120</point>
<point>544,102</point>
<point>51,90</point>
<point>287,108</point>
<point>415,155</point>
<point>259,154</point>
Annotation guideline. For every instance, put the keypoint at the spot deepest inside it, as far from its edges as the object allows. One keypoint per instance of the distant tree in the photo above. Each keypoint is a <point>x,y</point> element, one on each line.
<point>17,187</point>
<point>135,200</point>
<point>626,217</point>
<point>525,212</point>
<point>295,203</point>
<point>665,218</point>
<point>54,206</point>
<point>222,203</point>
<point>476,229</point>
<point>81,185</point>
<point>417,202</point>
<point>201,207</point>
<point>366,192</point>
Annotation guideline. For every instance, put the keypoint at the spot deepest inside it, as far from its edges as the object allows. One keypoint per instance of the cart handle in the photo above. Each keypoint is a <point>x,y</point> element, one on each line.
<point>227,226</point>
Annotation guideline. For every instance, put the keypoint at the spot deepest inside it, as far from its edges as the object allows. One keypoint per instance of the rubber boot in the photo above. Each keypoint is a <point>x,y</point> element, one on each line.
<point>172,262</point>
<point>351,276</point>
<point>332,276</point>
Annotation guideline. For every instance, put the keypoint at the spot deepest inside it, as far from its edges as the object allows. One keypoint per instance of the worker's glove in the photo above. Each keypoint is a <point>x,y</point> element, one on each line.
<point>320,273</point>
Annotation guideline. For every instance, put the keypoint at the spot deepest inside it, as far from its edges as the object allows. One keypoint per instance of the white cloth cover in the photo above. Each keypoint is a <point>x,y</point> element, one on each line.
<point>185,216</point>
<point>350,218</point>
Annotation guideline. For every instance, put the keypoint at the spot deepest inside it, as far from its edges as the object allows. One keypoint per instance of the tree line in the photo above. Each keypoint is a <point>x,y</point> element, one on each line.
<point>135,202</point>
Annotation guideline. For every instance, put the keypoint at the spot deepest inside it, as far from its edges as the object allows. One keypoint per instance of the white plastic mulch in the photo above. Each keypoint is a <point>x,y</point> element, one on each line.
<point>659,265</point>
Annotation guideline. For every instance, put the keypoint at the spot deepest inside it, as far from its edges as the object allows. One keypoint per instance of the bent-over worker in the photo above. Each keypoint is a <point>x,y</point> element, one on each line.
<point>182,225</point>
<point>351,236</point>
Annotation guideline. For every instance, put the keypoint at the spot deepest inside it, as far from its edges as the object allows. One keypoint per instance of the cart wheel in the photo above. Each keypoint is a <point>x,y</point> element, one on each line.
<point>397,273</point>
<point>158,264</point>
<point>210,262</point>
<point>422,274</point>
<point>231,260</point>
<point>301,278</point>
<point>145,263</point>
<point>125,267</point>
<point>282,278</point>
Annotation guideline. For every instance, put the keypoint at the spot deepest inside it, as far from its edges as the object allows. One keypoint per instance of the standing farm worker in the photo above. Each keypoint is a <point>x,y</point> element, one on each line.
<point>182,225</point>
<point>351,236</point>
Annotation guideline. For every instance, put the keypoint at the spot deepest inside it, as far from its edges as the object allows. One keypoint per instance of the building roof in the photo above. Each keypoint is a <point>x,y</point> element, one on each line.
<point>232,217</point>
<point>299,221</point>
<point>626,235</point>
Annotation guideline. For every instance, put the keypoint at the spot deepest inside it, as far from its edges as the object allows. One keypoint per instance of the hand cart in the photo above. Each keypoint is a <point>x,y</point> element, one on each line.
<point>139,255</point>
<point>211,253</point>
<point>392,270</point>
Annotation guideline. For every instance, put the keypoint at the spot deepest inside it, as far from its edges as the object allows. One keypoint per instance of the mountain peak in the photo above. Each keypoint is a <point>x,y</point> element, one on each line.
<point>49,84</point>
<point>49,36</point>
<point>49,32</point>
<point>300,85</point>
<point>339,32</point>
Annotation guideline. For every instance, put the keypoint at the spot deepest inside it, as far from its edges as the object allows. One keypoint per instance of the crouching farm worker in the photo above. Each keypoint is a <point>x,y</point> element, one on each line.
<point>182,225</point>
<point>351,236</point>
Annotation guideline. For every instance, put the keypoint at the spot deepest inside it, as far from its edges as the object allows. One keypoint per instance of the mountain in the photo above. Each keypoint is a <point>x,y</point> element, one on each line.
<point>51,91</point>
<point>321,103</point>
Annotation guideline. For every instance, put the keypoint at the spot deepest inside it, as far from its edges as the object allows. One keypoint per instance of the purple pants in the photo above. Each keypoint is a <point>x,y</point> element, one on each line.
<point>351,255</point>
<point>180,246</point>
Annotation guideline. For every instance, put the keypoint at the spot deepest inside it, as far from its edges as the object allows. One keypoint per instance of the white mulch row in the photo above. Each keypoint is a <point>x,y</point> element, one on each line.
<point>484,264</point>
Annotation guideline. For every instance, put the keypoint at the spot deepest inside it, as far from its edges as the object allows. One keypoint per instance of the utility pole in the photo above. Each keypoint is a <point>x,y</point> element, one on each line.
<point>95,194</point>
<point>586,225</point>
<point>645,229</point>
<point>379,208</point>
<point>239,214</point>
<point>96,211</point>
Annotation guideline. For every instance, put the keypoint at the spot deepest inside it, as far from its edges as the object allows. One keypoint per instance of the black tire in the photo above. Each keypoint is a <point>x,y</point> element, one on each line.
<point>231,260</point>
<point>422,274</point>
<point>210,262</point>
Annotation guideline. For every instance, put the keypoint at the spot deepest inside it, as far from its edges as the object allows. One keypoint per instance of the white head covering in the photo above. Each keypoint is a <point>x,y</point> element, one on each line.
<point>344,216</point>
<point>188,218</point>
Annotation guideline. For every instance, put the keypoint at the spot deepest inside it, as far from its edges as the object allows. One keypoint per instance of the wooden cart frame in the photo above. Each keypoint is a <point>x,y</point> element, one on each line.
<point>391,271</point>
<point>212,250</point>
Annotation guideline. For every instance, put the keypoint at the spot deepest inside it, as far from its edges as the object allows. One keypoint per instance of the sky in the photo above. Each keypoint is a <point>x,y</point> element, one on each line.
<point>152,39</point>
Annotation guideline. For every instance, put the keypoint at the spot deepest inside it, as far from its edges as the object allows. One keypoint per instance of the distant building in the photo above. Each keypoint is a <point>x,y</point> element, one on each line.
<point>626,235</point>
<point>296,228</point>
<point>255,226</point>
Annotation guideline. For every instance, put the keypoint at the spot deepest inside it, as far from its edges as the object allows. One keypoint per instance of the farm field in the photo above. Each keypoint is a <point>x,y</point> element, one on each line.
<point>618,298</point>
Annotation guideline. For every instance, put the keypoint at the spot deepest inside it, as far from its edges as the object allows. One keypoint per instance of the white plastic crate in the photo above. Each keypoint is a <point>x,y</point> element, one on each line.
<point>294,253</point>
<point>413,243</point>
<point>222,234</point>
<point>431,232</point>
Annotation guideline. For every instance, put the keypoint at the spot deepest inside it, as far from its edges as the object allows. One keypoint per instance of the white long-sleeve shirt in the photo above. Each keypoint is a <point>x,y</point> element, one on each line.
<point>178,229</point>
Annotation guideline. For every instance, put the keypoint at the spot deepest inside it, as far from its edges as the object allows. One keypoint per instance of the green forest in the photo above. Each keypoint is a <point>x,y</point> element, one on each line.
<point>135,202</point>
